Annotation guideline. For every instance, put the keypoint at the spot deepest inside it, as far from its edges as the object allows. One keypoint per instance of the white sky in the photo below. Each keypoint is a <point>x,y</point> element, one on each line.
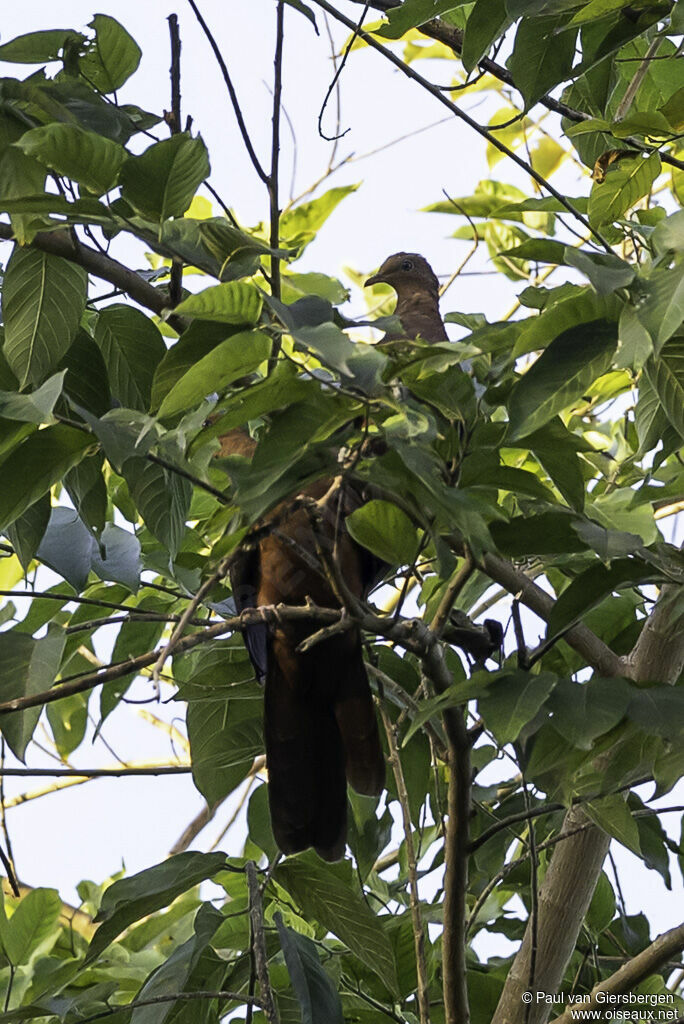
<point>89,830</point>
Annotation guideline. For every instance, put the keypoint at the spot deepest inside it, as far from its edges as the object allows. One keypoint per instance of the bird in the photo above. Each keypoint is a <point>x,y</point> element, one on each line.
<point>320,726</point>
<point>417,288</point>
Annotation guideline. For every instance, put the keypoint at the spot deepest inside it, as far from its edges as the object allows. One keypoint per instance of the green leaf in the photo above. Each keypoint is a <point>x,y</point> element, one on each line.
<point>412,13</point>
<point>549,533</point>
<point>233,358</point>
<point>593,585</point>
<point>558,315</point>
<point>68,720</point>
<point>39,462</point>
<point>602,907</point>
<point>26,532</point>
<point>561,375</point>
<point>35,407</point>
<point>162,181</point>
<point>195,342</point>
<point>33,927</point>
<point>131,346</point>
<point>666,377</point>
<point>661,309</point>
<point>131,899</point>
<point>300,225</point>
<point>512,701</point>
<point>113,56</point>
<point>385,530</point>
<point>542,56</point>
<point>329,894</point>
<point>231,303</point>
<point>584,711</point>
<point>622,188</point>
<point>225,734</point>
<point>92,160</point>
<point>172,975</point>
<point>486,22</point>
<point>27,667</point>
<point>606,272</point>
<point>43,297</point>
<point>86,487</point>
<point>319,1002</point>
<point>612,815</point>
<point>39,47</point>
<point>162,497</point>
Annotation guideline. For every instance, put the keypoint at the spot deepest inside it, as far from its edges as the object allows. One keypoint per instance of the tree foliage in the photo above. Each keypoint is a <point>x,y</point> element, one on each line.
<point>545,446</point>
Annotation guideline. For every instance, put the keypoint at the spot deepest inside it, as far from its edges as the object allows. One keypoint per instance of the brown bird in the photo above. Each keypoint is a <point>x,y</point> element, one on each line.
<point>417,288</point>
<point>320,727</point>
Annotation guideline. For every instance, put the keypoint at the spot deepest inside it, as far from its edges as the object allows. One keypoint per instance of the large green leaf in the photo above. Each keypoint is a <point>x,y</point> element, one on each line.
<point>318,999</point>
<point>560,315</point>
<point>112,57</point>
<point>512,701</point>
<point>162,498</point>
<point>233,358</point>
<point>666,377</point>
<point>27,667</point>
<point>486,22</point>
<point>622,188</point>
<point>131,899</point>
<point>32,928</point>
<point>35,407</point>
<point>583,711</point>
<point>612,815</point>
<point>561,375</point>
<point>92,160</point>
<point>592,586</point>
<point>43,298</point>
<point>542,56</point>
<point>385,530</point>
<point>40,461</point>
<point>412,13</point>
<point>328,893</point>
<point>229,303</point>
<point>173,974</point>
<point>132,347</point>
<point>194,343</point>
<point>161,182</point>
<point>38,47</point>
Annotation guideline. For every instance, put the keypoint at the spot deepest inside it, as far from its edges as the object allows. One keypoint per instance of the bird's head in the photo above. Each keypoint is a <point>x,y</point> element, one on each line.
<point>407,272</point>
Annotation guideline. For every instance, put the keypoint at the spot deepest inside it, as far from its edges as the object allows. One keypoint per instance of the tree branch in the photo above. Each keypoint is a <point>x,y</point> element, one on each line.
<point>409,71</point>
<point>453,38</point>
<point>231,92</point>
<point>412,870</point>
<point>580,638</point>
<point>631,974</point>
<point>256,920</point>
<point>61,243</point>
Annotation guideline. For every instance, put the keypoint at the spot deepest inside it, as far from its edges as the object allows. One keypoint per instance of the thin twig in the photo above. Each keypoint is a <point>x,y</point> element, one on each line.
<point>453,589</point>
<point>173,120</point>
<point>412,869</point>
<point>410,72</point>
<point>272,183</point>
<point>256,920</point>
<point>231,92</point>
<point>335,80</point>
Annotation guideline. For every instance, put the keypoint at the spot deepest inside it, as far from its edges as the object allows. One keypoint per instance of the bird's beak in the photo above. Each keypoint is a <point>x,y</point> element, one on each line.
<point>375,279</point>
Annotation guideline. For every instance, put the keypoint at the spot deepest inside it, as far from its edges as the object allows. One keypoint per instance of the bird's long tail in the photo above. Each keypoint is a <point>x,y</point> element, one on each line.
<point>320,730</point>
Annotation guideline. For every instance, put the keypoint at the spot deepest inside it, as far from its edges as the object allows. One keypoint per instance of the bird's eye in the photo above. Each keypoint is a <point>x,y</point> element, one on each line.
<point>407,265</point>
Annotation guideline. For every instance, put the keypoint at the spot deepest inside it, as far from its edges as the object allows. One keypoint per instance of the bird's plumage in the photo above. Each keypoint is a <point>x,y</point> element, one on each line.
<point>320,726</point>
<point>417,288</point>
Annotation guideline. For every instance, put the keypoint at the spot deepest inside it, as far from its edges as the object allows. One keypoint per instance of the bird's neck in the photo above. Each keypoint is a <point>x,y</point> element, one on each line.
<point>419,314</point>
